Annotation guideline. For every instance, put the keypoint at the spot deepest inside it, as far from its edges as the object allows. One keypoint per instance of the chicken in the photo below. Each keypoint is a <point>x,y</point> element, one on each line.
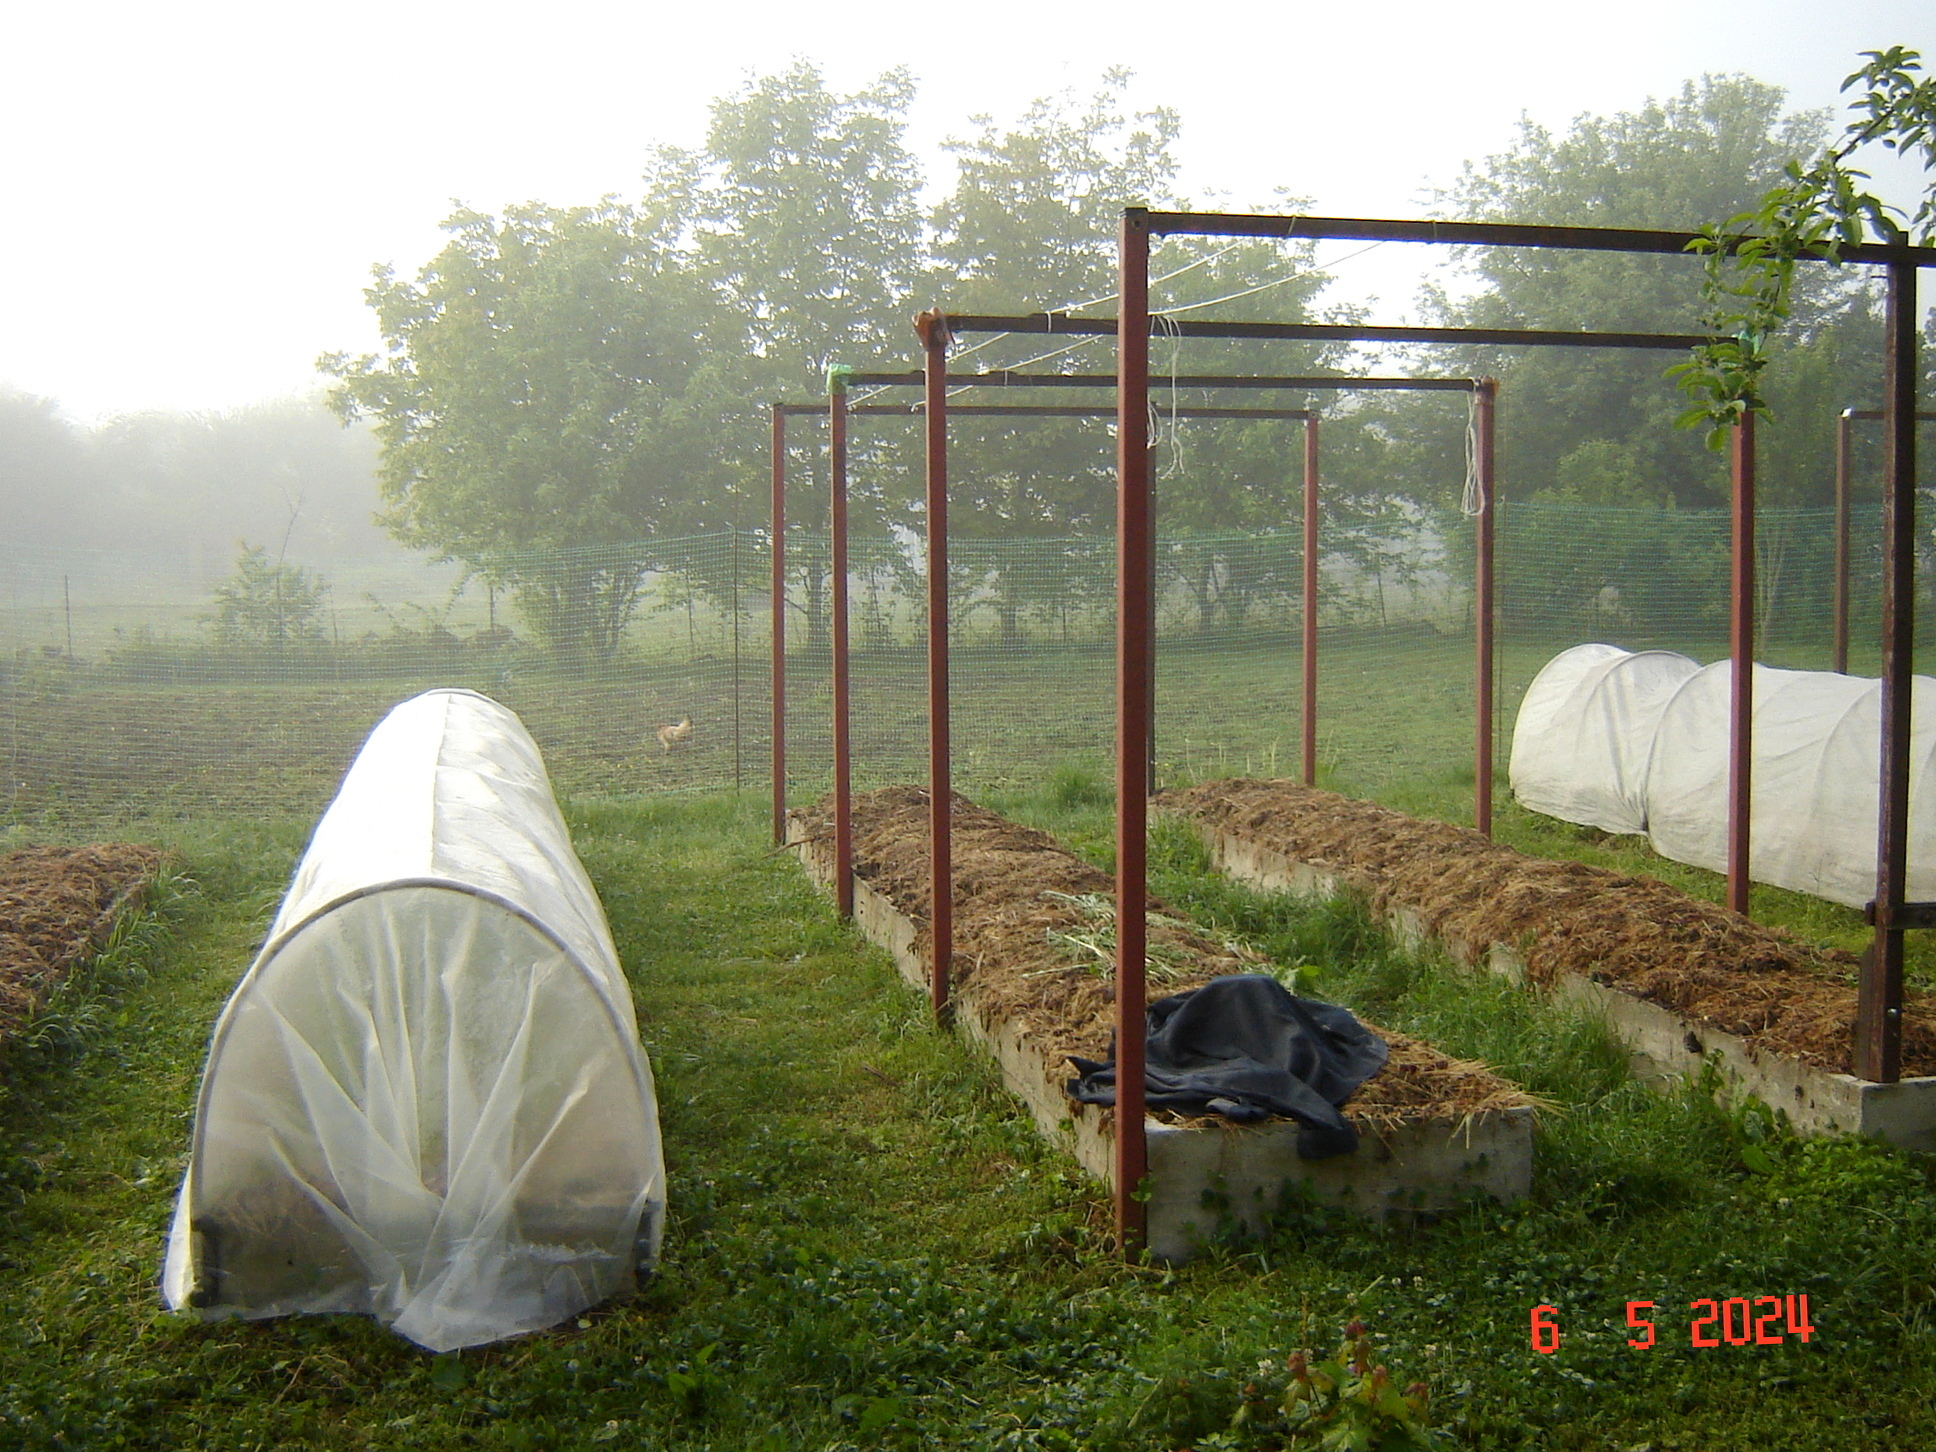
<point>675,735</point>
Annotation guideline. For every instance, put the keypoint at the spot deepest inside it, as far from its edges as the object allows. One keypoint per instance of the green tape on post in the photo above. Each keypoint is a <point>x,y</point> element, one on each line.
<point>837,376</point>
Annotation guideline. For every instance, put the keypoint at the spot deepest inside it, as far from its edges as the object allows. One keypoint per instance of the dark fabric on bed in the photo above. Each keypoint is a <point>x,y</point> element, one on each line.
<point>1244,1047</point>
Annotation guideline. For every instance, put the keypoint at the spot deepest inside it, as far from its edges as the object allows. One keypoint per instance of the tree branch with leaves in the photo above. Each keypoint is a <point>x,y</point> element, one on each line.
<point>1813,214</point>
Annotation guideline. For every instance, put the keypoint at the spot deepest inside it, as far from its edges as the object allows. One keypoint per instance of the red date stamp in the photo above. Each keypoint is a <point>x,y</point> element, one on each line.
<point>1736,1321</point>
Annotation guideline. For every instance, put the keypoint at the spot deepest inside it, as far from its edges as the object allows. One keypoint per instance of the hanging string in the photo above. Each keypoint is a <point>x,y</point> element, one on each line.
<point>1470,504</point>
<point>1170,330</point>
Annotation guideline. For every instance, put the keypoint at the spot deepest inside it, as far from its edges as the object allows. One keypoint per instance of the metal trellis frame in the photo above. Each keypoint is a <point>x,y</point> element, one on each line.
<point>1879,1019</point>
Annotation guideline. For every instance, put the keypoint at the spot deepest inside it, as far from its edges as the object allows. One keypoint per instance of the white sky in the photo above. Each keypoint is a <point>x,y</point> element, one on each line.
<point>196,191</point>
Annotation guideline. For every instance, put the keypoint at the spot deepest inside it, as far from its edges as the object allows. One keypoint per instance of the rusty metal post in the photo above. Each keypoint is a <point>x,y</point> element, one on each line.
<point>1149,683</point>
<point>1878,1017</point>
<point>842,667</point>
<point>1741,652</point>
<point>1134,628</point>
<point>1840,626</point>
<point>778,608</point>
<point>1309,702</point>
<point>933,330</point>
<point>1484,398</point>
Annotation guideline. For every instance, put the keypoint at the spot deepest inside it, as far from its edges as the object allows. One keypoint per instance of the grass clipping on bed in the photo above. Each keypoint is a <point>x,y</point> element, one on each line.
<point>1638,934</point>
<point>1030,944</point>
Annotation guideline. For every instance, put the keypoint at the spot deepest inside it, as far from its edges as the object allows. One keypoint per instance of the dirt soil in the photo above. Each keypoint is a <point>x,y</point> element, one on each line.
<point>1633,933</point>
<point>1007,965</point>
<point>57,906</point>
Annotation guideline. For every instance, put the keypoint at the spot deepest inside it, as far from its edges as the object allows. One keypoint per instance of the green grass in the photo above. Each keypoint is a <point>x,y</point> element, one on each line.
<point>870,1247</point>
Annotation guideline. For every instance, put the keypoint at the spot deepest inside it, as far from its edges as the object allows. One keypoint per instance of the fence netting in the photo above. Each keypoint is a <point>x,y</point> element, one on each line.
<point>137,687</point>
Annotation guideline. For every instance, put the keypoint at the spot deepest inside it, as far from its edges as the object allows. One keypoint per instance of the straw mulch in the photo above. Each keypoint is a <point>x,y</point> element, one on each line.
<point>57,906</point>
<point>1635,933</point>
<point>1060,996</point>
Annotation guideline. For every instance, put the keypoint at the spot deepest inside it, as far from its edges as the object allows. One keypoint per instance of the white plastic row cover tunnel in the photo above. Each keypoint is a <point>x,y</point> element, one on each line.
<point>1585,731</point>
<point>426,1100</point>
<point>1639,742</point>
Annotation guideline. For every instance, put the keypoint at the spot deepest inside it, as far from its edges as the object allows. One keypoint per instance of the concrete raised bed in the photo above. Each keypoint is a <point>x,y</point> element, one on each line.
<point>1200,1172</point>
<point>1665,1045</point>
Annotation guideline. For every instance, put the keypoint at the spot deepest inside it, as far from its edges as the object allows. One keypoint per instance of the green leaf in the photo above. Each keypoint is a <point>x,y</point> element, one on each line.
<point>880,1413</point>
<point>448,1373</point>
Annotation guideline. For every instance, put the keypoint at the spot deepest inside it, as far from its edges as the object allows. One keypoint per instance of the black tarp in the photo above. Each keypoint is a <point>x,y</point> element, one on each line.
<point>1245,1047</point>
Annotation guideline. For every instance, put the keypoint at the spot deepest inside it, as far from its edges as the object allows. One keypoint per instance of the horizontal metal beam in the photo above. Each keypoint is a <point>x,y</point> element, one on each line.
<point>1876,413</point>
<point>1041,410</point>
<point>1474,234</point>
<point>1907,915</point>
<point>1064,323</point>
<point>1007,378</point>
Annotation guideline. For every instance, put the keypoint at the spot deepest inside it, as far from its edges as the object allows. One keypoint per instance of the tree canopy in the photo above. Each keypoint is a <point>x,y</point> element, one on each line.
<point>1755,292</point>
<point>593,378</point>
<point>1597,426</point>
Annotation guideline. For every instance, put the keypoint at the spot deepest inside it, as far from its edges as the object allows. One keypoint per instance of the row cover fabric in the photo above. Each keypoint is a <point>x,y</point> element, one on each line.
<point>1585,731</point>
<point>1595,712</point>
<point>1243,1046</point>
<point>426,1100</point>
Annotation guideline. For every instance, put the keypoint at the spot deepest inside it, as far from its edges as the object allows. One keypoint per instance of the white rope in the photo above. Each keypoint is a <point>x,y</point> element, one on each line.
<point>1275,282</point>
<point>994,338</point>
<point>1168,328</point>
<point>1470,504</point>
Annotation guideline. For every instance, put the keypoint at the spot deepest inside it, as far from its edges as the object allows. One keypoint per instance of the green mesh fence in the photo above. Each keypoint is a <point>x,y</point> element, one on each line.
<point>135,687</point>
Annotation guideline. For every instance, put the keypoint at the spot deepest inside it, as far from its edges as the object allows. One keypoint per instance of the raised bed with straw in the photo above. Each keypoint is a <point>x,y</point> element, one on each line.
<point>1033,946</point>
<point>1686,982</point>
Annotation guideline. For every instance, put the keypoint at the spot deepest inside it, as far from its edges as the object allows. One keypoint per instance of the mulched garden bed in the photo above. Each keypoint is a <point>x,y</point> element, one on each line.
<point>1033,936</point>
<point>57,907</point>
<point>1633,933</point>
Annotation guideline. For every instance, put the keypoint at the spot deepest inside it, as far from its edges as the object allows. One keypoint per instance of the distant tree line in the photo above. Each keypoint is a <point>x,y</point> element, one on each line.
<point>558,377</point>
<point>563,389</point>
<point>284,475</point>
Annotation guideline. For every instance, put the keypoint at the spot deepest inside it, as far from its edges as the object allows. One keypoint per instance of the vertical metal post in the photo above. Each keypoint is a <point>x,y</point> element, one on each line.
<point>932,328</point>
<point>1878,1018</point>
<point>1309,702</point>
<point>1839,629</point>
<point>1134,627</point>
<point>738,778</point>
<point>1484,398</point>
<point>841,683</point>
<point>1149,681</point>
<point>1741,653</point>
<point>778,609</point>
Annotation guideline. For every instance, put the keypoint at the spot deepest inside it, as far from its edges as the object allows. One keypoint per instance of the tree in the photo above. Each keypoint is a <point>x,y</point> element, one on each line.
<point>1031,222</point>
<point>801,211</point>
<point>267,603</point>
<point>547,403</point>
<point>805,211</point>
<point>48,485</point>
<point>1598,423</point>
<point>194,482</point>
<point>1754,291</point>
<point>1031,225</point>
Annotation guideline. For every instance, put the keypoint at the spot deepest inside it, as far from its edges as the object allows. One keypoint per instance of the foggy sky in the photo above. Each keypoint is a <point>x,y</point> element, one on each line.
<point>197,191</point>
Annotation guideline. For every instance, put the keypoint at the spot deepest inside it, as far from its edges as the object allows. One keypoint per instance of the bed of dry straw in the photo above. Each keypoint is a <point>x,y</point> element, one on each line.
<point>1634,933</point>
<point>57,906</point>
<point>1013,887</point>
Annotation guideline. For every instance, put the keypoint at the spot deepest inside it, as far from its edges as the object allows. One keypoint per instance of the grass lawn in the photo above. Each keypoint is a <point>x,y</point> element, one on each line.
<point>870,1247</point>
